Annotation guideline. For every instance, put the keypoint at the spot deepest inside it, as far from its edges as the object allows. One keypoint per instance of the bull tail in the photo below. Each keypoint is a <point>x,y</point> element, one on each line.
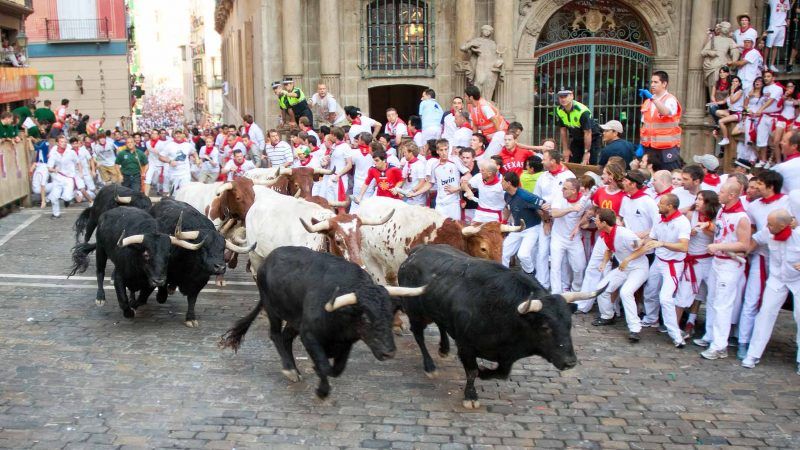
<point>80,257</point>
<point>81,223</point>
<point>233,338</point>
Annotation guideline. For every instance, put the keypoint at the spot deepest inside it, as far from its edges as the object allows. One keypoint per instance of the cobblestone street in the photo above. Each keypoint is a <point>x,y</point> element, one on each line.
<point>74,375</point>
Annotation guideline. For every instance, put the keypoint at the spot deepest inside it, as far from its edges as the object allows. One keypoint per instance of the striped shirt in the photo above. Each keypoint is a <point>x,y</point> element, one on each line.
<point>279,154</point>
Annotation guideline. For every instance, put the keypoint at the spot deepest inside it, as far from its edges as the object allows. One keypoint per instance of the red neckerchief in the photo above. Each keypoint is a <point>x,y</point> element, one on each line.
<point>61,150</point>
<point>670,217</point>
<point>88,148</point>
<point>466,125</point>
<point>608,238</point>
<point>665,191</point>
<point>236,140</point>
<point>711,179</point>
<point>771,198</point>
<point>701,217</point>
<point>557,170</point>
<point>735,208</point>
<point>305,162</point>
<point>247,128</point>
<point>364,149</point>
<point>162,138</point>
<point>412,161</point>
<point>411,134</point>
<point>783,235</point>
<point>453,111</point>
<point>153,143</point>
<point>238,166</point>
<point>723,85</point>
<point>356,121</point>
<point>743,30</point>
<point>495,181</point>
<point>179,141</point>
<point>576,198</point>
<point>638,194</point>
<point>209,149</point>
<point>791,157</point>
<point>749,50</point>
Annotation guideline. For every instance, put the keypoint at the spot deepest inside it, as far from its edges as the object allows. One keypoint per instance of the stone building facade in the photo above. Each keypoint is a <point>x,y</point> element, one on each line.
<point>376,53</point>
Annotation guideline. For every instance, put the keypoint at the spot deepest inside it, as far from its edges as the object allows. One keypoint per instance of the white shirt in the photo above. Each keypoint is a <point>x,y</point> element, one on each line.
<point>773,92</point>
<point>179,152</point>
<point>752,70</point>
<point>396,129</point>
<point>105,154</point>
<point>153,153</point>
<point>442,175</point>
<point>563,226</point>
<point>365,127</point>
<point>625,243</point>
<point>325,106</point>
<point>750,33</point>
<point>778,11</point>
<point>361,165</point>
<point>639,214</point>
<point>279,154</point>
<point>339,156</point>
<point>313,163</point>
<point>419,139</point>
<point>782,257</point>
<point>206,165</point>
<point>698,243</point>
<point>548,187</point>
<point>461,137</point>
<point>490,197</point>
<point>671,232</point>
<point>757,212</point>
<point>235,171</point>
<point>449,126</point>
<point>791,174</point>
<point>727,225</point>
<point>65,163</point>
<point>256,136</point>
<point>84,156</point>
<point>685,198</point>
<point>412,175</point>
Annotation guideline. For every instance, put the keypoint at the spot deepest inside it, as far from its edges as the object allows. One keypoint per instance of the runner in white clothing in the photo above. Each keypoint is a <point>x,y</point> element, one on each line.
<point>362,162</point>
<point>209,162</point>
<point>414,172</point>
<point>491,201</point>
<point>177,154</point>
<point>638,210</point>
<point>237,166</point>
<point>64,165</point>
<point>156,169</point>
<point>768,114</point>
<point>445,176</point>
<point>340,162</point>
<point>395,127</point>
<point>566,211</point>
<point>790,167</point>
<point>462,135</point>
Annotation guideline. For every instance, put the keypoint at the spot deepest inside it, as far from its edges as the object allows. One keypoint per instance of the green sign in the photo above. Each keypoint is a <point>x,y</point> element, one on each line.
<point>45,82</point>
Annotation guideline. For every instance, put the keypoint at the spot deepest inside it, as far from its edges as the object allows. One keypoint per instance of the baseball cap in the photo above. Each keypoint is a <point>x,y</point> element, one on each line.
<point>565,90</point>
<point>615,125</point>
<point>709,161</point>
<point>744,163</point>
<point>636,176</point>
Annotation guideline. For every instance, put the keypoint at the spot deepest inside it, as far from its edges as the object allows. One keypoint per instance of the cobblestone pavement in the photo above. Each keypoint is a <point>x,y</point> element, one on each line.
<point>73,375</point>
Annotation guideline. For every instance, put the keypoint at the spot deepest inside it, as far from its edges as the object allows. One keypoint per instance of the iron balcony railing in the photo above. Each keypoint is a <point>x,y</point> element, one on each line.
<point>72,30</point>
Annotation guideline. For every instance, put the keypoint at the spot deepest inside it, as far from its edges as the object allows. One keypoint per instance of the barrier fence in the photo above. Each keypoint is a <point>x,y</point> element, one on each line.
<point>14,163</point>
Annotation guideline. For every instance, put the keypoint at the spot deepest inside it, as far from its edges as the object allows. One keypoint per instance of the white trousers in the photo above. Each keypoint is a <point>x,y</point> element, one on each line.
<point>764,130</point>
<point>722,289</point>
<point>659,293</point>
<point>775,294</point>
<point>41,177</point>
<point>332,188</point>
<point>451,210</point>
<point>628,282</point>
<point>592,276</point>
<point>179,180</point>
<point>522,244</point>
<point>752,296</point>
<point>64,189</point>
<point>564,249</point>
<point>496,143</point>
<point>543,258</point>
<point>686,294</point>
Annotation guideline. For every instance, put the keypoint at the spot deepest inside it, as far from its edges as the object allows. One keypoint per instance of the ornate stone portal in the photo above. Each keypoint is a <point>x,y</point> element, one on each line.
<point>485,62</point>
<point>718,51</point>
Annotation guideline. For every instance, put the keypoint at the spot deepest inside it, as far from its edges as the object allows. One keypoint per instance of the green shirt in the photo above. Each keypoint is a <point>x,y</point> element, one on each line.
<point>45,114</point>
<point>127,162</point>
<point>528,180</point>
<point>8,131</point>
<point>23,112</point>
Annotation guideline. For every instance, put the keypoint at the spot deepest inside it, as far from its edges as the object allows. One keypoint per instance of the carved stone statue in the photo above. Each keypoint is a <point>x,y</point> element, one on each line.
<point>719,50</point>
<point>486,63</point>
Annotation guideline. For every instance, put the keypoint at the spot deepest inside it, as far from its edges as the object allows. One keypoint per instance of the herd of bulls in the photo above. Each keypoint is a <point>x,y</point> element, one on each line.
<point>332,279</point>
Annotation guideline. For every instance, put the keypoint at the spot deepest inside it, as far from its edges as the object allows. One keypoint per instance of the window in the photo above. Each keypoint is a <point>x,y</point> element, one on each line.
<point>398,38</point>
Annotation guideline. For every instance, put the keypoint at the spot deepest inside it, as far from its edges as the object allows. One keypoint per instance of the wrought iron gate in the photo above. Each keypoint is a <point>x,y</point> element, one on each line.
<point>602,50</point>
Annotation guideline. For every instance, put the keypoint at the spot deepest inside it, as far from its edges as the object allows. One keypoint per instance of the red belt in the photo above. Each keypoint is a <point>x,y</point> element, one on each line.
<point>492,211</point>
<point>341,193</point>
<point>672,271</point>
<point>161,176</point>
<point>74,181</point>
<point>689,263</point>
<point>763,278</point>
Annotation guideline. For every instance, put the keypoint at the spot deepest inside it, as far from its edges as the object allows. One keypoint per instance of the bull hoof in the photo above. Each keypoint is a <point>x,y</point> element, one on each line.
<point>445,355</point>
<point>432,375</point>
<point>129,313</point>
<point>291,375</point>
<point>398,330</point>
<point>192,323</point>
<point>471,404</point>
<point>100,302</point>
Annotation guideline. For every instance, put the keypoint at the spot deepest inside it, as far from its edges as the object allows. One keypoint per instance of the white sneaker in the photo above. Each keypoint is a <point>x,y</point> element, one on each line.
<point>760,164</point>
<point>701,342</point>
<point>714,354</point>
<point>724,141</point>
<point>749,362</point>
<point>773,68</point>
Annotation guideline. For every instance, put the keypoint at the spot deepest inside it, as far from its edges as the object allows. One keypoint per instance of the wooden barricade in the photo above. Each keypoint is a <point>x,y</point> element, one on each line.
<point>14,182</point>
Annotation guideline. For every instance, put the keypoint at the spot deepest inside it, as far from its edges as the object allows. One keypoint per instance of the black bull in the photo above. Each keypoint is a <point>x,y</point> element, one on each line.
<point>490,311</point>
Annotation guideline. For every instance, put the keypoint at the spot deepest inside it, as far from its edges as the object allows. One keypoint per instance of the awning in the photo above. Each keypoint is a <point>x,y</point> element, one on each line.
<point>17,83</point>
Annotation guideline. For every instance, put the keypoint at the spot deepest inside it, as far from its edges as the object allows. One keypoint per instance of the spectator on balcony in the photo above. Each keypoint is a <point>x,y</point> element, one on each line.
<point>60,119</point>
<point>749,65</point>
<point>732,111</point>
<point>744,31</point>
<point>326,109</point>
<point>776,32</point>
<point>720,92</point>
<point>11,55</point>
<point>8,131</point>
<point>297,102</point>
<point>45,115</point>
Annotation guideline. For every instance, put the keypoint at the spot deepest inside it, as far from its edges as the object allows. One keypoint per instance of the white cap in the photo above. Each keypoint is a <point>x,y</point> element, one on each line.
<point>615,125</point>
<point>709,161</point>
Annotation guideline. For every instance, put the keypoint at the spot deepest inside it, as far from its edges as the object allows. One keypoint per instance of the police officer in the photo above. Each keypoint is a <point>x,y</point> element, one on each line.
<point>297,101</point>
<point>287,115</point>
<point>580,134</point>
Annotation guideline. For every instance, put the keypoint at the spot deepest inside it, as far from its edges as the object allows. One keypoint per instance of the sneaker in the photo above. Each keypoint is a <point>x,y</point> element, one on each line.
<point>714,354</point>
<point>749,362</point>
<point>768,164</point>
<point>662,328</point>
<point>680,344</point>
<point>760,164</point>
<point>773,68</point>
<point>689,329</point>
<point>741,353</point>
<point>53,216</point>
<point>701,342</point>
<point>599,322</point>
<point>724,141</point>
<point>685,335</point>
<point>633,337</point>
<point>649,324</point>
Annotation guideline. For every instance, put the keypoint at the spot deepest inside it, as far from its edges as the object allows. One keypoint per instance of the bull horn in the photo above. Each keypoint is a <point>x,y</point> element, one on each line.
<point>317,227</point>
<point>184,244</point>
<point>298,193</point>
<point>398,291</point>
<point>471,230</point>
<point>529,306</point>
<point>179,225</point>
<point>259,182</point>
<point>338,203</point>
<point>188,235</point>
<point>238,248</point>
<point>226,225</point>
<point>321,171</point>
<point>239,236</point>
<point>512,228</point>
<point>223,187</point>
<point>340,301</point>
<point>284,171</point>
<point>570,297</point>
<point>155,199</point>
<point>123,200</point>
<point>126,241</point>
<point>380,221</point>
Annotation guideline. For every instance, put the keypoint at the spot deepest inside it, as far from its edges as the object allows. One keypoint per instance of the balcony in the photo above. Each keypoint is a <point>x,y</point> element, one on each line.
<point>77,30</point>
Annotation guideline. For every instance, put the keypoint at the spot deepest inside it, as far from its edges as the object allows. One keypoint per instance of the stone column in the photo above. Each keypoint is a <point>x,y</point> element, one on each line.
<point>694,116</point>
<point>742,7</point>
<point>292,43</point>
<point>465,30</point>
<point>504,12</point>
<point>330,72</point>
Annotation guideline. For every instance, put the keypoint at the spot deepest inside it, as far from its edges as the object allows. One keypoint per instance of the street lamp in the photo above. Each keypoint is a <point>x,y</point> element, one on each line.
<point>79,83</point>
